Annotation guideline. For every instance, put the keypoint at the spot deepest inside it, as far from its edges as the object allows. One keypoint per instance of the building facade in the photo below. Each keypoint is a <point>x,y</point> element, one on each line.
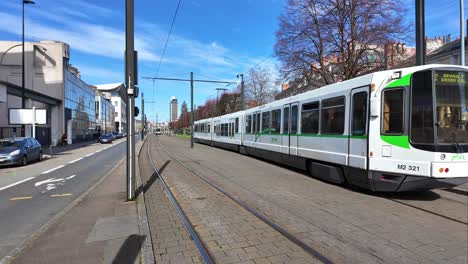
<point>51,83</point>
<point>173,108</point>
<point>117,94</point>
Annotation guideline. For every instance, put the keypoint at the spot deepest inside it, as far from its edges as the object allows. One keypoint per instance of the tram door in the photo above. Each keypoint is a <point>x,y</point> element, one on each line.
<point>290,128</point>
<point>357,156</point>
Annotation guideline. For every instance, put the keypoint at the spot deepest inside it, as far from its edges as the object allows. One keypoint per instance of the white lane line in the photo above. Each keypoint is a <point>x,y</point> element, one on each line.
<point>73,161</point>
<point>71,177</point>
<point>90,154</point>
<point>16,183</point>
<point>51,170</point>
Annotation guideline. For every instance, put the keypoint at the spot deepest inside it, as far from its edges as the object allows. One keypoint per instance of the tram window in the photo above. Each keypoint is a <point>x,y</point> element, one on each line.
<point>310,118</point>
<point>237,125</point>
<point>286,120</point>
<point>275,121</point>
<point>393,112</point>
<point>359,114</point>
<point>254,129</point>
<point>248,124</point>
<point>209,131</point>
<point>333,113</point>
<point>258,123</point>
<point>265,122</point>
<point>422,122</point>
<point>294,113</point>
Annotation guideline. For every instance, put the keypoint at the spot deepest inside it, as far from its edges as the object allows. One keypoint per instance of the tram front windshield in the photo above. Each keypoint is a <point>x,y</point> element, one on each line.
<point>440,123</point>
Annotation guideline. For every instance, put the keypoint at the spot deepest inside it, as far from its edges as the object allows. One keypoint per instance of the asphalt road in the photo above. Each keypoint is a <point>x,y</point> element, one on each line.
<point>41,190</point>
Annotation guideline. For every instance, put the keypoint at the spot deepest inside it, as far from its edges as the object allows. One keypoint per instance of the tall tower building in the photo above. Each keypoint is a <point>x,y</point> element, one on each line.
<point>174,106</point>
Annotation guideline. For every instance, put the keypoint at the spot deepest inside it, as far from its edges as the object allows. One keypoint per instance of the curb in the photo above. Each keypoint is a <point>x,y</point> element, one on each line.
<point>28,241</point>
<point>146,250</point>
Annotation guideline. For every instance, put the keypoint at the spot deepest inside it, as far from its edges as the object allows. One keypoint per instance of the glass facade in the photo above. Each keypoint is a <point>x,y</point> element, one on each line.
<point>105,115</point>
<point>80,108</point>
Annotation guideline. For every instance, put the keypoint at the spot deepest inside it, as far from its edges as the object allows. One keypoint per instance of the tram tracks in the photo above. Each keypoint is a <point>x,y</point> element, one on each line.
<point>200,244</point>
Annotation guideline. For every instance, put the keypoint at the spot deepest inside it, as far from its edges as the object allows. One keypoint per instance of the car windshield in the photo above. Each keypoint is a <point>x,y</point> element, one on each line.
<point>452,106</point>
<point>10,144</point>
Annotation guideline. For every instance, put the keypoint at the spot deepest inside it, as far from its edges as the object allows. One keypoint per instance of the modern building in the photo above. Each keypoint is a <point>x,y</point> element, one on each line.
<point>51,83</point>
<point>173,108</point>
<point>118,96</point>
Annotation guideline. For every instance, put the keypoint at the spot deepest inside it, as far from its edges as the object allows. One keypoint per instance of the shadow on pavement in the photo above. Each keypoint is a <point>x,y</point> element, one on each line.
<point>151,180</point>
<point>129,250</point>
<point>413,196</point>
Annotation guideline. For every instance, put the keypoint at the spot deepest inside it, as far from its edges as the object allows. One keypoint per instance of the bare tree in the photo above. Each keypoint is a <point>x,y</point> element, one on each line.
<point>259,87</point>
<point>326,41</point>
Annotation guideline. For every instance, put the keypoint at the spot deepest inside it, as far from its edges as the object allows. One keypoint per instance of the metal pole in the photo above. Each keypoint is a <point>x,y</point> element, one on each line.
<point>462,34</point>
<point>143,121</point>
<point>191,112</point>
<point>420,33</point>
<point>242,91</point>
<point>23,103</point>
<point>130,84</point>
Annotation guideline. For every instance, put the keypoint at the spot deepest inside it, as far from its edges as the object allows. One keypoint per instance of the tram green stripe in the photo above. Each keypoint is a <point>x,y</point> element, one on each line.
<point>403,81</point>
<point>399,141</point>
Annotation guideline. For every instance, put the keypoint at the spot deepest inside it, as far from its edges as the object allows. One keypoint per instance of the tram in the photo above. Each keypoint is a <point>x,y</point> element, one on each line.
<point>389,131</point>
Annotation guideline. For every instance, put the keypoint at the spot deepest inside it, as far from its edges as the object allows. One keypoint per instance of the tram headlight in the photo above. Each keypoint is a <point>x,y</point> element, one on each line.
<point>442,157</point>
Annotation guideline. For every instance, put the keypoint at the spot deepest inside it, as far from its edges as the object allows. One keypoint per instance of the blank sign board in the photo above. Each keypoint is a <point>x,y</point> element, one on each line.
<point>25,116</point>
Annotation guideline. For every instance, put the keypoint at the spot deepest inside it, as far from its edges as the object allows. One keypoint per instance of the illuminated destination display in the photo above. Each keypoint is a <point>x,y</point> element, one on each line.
<point>450,77</point>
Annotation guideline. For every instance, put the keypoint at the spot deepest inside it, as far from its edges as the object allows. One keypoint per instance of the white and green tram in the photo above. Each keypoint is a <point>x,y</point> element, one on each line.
<point>395,130</point>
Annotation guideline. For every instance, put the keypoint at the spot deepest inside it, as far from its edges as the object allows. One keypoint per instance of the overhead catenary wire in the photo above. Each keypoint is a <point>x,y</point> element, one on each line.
<point>165,47</point>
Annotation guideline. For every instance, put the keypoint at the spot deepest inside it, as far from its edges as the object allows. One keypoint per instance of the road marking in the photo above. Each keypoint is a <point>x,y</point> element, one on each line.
<point>51,170</point>
<point>16,183</point>
<point>61,195</point>
<point>48,181</point>
<point>90,154</point>
<point>73,161</point>
<point>71,177</point>
<point>21,198</point>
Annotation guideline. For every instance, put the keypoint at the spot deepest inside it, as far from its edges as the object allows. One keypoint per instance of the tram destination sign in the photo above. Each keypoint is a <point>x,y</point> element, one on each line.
<point>450,77</point>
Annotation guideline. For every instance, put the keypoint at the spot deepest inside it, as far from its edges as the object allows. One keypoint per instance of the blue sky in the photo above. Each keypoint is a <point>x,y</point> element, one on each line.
<point>214,39</point>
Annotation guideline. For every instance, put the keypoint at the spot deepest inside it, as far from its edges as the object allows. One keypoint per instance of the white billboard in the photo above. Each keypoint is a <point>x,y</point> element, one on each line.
<point>18,116</point>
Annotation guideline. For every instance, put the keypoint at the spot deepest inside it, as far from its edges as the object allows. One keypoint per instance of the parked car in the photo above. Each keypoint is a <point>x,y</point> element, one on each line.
<point>106,138</point>
<point>19,150</point>
<point>114,135</point>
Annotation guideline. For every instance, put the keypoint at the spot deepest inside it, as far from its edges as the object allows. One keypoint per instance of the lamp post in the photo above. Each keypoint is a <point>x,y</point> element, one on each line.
<point>23,103</point>
<point>217,95</point>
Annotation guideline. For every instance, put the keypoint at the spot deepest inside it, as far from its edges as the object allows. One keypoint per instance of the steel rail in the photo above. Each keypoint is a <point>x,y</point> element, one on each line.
<point>201,247</point>
<point>259,215</point>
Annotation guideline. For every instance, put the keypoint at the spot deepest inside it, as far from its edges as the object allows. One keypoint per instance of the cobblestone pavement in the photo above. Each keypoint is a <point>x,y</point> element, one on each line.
<point>346,225</point>
<point>231,233</point>
<point>171,241</point>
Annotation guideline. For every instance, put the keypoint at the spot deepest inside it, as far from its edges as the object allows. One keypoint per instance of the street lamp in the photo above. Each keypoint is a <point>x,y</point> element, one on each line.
<point>217,95</point>
<point>23,103</point>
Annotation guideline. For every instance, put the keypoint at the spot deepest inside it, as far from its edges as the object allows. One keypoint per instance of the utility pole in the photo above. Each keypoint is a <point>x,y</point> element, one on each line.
<point>217,98</point>
<point>143,121</point>
<point>242,90</point>
<point>420,33</point>
<point>191,80</point>
<point>130,79</point>
<point>462,34</point>
<point>191,112</point>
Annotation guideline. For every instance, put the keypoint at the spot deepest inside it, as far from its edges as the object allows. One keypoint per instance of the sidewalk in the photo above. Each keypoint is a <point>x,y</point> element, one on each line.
<point>100,227</point>
<point>59,149</point>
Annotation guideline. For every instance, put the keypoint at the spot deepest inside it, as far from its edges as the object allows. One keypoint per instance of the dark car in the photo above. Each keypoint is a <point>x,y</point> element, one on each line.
<point>19,150</point>
<point>106,138</point>
<point>115,135</point>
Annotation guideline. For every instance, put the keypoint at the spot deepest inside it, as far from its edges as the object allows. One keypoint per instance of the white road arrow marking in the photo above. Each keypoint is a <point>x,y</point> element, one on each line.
<point>71,177</point>
<point>48,181</point>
